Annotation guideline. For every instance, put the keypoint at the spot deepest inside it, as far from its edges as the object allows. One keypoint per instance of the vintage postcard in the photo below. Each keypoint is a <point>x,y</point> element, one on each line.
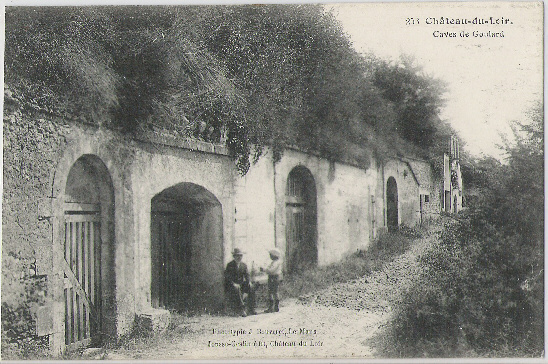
<point>325,181</point>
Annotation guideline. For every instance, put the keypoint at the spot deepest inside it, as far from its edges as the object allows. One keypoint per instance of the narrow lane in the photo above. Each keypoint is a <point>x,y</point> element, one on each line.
<point>337,322</point>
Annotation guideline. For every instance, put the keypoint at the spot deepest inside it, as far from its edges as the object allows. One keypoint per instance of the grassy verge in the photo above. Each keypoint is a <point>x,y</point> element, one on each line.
<point>361,263</point>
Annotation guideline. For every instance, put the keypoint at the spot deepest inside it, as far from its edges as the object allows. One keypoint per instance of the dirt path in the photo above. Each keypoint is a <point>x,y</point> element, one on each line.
<point>336,322</point>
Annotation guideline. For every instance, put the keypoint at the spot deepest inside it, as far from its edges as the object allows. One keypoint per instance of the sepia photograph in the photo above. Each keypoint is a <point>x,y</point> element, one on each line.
<point>258,181</point>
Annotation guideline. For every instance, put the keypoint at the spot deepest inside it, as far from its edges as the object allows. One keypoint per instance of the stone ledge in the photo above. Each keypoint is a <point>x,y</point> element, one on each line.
<point>153,321</point>
<point>183,143</point>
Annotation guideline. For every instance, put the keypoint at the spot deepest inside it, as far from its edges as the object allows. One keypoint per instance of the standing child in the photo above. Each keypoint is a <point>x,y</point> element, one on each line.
<point>274,271</point>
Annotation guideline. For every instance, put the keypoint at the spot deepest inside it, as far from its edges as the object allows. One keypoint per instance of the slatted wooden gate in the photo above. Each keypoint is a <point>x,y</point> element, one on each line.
<point>171,263</point>
<point>82,268</point>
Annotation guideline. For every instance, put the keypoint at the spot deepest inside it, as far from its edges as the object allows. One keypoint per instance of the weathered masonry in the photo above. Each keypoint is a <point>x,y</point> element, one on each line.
<point>124,229</point>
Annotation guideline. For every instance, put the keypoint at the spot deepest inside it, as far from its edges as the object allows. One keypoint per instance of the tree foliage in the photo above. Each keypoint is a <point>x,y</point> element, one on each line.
<point>416,96</point>
<point>56,58</point>
<point>481,290</point>
<point>522,208</point>
<point>251,76</point>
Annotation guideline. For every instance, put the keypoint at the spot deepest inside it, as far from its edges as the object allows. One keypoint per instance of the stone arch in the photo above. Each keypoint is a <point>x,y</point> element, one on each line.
<point>87,242</point>
<point>186,248</point>
<point>301,223</point>
<point>391,204</point>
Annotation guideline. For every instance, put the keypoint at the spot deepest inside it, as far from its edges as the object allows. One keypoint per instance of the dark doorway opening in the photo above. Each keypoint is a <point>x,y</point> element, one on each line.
<point>186,249</point>
<point>447,201</point>
<point>392,204</point>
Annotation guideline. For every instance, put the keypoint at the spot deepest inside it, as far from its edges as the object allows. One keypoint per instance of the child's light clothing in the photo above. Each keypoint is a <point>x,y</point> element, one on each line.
<point>275,269</point>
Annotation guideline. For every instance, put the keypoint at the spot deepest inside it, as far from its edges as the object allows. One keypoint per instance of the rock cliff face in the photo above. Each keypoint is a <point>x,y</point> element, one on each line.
<point>33,144</point>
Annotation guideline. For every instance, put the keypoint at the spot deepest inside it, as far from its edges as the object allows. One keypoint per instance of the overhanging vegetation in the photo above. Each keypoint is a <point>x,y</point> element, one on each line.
<point>247,76</point>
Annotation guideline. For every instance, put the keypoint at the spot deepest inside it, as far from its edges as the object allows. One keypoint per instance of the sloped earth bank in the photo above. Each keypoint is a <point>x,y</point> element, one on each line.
<point>338,322</point>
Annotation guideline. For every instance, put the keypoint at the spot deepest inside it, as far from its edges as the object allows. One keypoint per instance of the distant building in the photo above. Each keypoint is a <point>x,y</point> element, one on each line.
<point>452,181</point>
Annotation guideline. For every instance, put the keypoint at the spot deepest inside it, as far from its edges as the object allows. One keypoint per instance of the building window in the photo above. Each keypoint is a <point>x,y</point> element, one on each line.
<point>426,198</point>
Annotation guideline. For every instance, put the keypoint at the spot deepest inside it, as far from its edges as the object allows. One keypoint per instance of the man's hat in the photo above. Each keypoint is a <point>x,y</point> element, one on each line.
<point>237,251</point>
<point>275,252</point>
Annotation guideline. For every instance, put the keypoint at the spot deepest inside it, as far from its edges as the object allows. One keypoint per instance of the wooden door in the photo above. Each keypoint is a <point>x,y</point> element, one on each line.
<point>301,223</point>
<point>295,235</point>
<point>82,274</point>
<point>171,260</point>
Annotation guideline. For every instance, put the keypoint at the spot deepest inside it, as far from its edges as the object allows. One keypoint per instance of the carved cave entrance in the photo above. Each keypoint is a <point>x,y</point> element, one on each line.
<point>392,204</point>
<point>88,252</point>
<point>301,228</point>
<point>186,248</point>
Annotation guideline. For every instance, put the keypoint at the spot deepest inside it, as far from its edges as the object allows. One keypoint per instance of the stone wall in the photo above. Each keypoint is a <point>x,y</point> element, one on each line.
<point>230,211</point>
<point>408,191</point>
<point>158,167</point>
<point>39,152</point>
<point>254,213</point>
<point>343,206</point>
<point>430,185</point>
<point>32,147</point>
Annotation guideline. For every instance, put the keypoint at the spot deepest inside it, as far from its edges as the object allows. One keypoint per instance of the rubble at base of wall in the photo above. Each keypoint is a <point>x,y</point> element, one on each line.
<point>152,322</point>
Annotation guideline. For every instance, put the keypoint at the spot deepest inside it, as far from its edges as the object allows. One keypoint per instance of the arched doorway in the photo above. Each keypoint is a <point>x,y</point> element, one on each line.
<point>392,204</point>
<point>88,240</point>
<point>301,226</point>
<point>187,248</point>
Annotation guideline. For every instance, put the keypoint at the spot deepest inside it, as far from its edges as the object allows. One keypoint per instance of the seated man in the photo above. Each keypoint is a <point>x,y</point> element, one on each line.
<point>237,283</point>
